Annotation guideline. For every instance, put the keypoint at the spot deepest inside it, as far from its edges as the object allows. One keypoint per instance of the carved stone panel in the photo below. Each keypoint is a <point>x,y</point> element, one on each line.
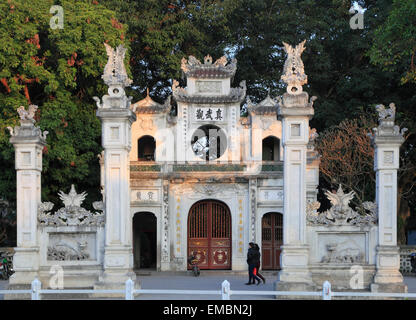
<point>342,248</point>
<point>76,246</point>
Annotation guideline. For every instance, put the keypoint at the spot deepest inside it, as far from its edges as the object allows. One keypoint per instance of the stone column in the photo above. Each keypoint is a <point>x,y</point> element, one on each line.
<point>28,142</point>
<point>387,140</point>
<point>294,111</point>
<point>116,118</point>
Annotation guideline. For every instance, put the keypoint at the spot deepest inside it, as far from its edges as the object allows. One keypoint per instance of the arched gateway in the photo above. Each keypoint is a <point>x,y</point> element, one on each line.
<point>209,234</point>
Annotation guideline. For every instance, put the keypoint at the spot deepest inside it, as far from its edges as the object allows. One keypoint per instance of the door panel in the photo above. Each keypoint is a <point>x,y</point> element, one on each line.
<point>272,239</point>
<point>209,235</point>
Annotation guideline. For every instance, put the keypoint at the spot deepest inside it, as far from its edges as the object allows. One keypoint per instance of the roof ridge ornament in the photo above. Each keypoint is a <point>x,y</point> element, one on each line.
<point>293,71</point>
<point>219,69</point>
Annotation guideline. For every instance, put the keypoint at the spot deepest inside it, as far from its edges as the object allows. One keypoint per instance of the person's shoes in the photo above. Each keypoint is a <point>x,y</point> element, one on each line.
<point>258,282</point>
<point>264,280</point>
<point>248,283</point>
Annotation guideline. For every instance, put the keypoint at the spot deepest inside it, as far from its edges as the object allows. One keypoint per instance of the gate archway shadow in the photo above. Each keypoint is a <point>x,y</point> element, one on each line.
<point>144,240</point>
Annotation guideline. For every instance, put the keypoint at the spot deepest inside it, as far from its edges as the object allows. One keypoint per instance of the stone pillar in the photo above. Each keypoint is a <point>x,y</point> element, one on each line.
<point>116,118</point>
<point>387,140</point>
<point>28,142</point>
<point>294,111</point>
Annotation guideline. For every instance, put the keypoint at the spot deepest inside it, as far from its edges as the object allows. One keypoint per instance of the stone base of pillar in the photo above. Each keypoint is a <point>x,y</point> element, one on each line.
<point>25,266</point>
<point>165,266</point>
<point>118,262</point>
<point>295,274</point>
<point>388,277</point>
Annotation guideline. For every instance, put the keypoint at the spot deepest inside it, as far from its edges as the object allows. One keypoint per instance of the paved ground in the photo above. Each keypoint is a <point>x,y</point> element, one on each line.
<point>208,281</point>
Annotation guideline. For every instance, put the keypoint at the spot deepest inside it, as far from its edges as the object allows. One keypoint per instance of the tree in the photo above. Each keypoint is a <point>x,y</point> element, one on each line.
<point>59,70</point>
<point>394,46</point>
<point>347,157</point>
<point>162,32</point>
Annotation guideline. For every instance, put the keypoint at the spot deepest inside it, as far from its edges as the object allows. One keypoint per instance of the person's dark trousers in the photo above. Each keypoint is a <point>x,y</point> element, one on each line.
<point>251,274</point>
<point>258,273</point>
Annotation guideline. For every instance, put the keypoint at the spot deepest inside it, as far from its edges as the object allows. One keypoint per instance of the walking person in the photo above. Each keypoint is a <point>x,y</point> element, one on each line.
<point>256,246</point>
<point>253,258</point>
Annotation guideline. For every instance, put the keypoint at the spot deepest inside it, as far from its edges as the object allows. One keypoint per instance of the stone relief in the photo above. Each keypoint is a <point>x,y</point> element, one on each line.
<point>293,71</point>
<point>208,189</point>
<point>345,252</point>
<point>72,214</point>
<point>341,214</point>
<point>63,251</point>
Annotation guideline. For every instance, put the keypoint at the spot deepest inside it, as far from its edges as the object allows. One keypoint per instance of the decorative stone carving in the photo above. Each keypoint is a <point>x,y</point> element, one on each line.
<point>293,71</point>
<point>386,127</point>
<point>341,213</point>
<point>208,189</point>
<point>343,253</point>
<point>218,69</point>
<point>115,71</point>
<point>64,251</point>
<point>29,114</point>
<point>115,76</point>
<point>27,127</point>
<point>72,198</point>
<point>72,214</point>
<point>313,134</point>
<point>235,95</point>
<point>386,114</point>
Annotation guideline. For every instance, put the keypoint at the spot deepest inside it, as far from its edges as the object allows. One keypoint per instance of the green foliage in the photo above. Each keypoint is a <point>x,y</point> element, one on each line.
<point>59,70</point>
<point>162,32</point>
<point>394,46</point>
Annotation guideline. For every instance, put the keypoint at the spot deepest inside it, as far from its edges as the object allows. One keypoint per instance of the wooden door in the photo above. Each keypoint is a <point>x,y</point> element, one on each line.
<point>272,239</point>
<point>209,234</point>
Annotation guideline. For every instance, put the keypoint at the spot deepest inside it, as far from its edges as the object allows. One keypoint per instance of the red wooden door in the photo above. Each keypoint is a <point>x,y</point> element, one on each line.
<point>272,239</point>
<point>209,234</point>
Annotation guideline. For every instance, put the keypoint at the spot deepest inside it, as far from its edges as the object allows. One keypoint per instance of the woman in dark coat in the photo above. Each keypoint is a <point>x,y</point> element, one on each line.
<point>256,246</point>
<point>253,258</point>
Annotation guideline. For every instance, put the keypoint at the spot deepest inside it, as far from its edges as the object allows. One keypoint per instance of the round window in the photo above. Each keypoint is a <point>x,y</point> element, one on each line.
<point>209,142</point>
